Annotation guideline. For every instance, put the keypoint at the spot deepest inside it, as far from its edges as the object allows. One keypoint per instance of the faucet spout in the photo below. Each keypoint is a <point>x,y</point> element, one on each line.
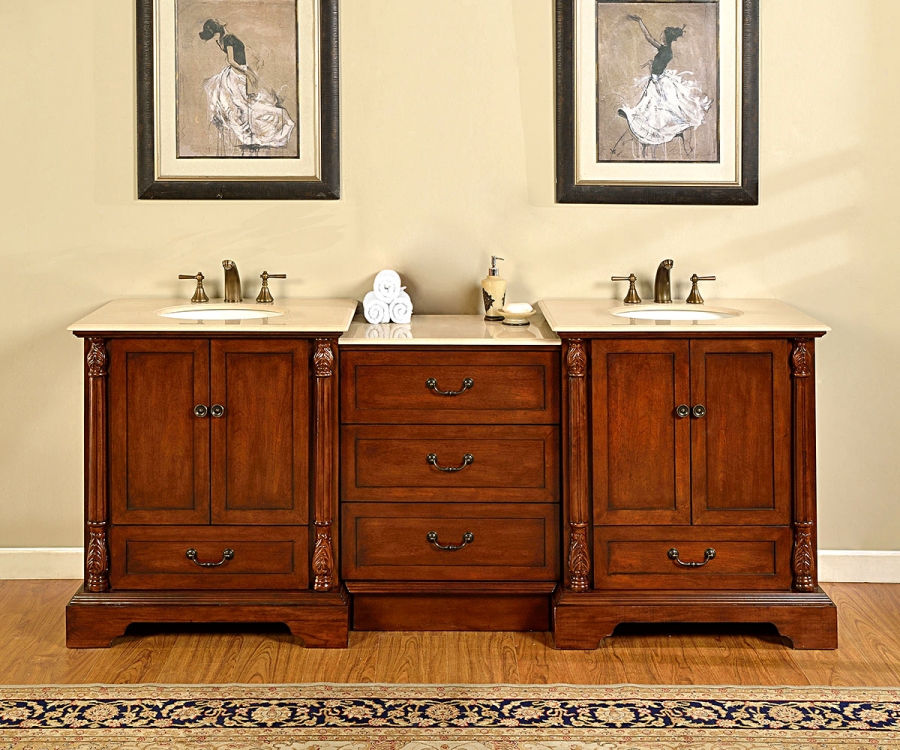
<point>662,288</point>
<point>232,282</point>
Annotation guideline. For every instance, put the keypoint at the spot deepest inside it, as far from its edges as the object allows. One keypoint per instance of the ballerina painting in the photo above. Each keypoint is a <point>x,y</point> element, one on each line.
<point>665,114</point>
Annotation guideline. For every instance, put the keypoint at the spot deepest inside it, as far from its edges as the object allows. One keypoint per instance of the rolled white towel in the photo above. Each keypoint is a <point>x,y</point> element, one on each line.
<point>378,331</point>
<point>387,286</point>
<point>401,332</point>
<point>401,308</point>
<point>375,310</point>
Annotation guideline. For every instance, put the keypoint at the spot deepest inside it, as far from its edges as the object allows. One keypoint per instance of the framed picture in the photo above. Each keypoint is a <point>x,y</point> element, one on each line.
<point>657,101</point>
<point>238,99</point>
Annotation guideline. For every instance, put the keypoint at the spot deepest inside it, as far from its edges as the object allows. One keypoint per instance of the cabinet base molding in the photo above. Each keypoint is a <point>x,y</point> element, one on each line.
<point>492,608</point>
<point>581,621</point>
<point>95,620</point>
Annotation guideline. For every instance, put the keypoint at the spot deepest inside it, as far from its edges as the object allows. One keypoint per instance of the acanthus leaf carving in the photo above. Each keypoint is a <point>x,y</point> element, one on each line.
<point>803,557</point>
<point>576,359</point>
<point>96,559</point>
<point>97,358</point>
<point>801,359</point>
<point>323,359</point>
<point>579,559</point>
<point>323,558</point>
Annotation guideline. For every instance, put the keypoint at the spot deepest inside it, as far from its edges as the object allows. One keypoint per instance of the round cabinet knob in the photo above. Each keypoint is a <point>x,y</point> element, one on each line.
<point>200,410</point>
<point>217,410</point>
<point>683,411</point>
<point>698,411</point>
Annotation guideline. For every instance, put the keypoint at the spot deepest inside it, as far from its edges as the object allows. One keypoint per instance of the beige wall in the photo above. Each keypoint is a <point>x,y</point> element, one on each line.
<point>448,157</point>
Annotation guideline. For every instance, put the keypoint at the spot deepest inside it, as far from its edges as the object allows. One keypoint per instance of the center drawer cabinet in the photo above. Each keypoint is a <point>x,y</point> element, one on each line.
<point>450,485</point>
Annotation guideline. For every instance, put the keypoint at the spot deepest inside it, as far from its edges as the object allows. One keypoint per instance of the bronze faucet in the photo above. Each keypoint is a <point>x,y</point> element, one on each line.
<point>232,282</point>
<point>662,288</point>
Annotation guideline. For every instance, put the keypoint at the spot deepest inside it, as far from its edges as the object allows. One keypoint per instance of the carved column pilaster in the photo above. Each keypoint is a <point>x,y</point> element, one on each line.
<point>578,562</point>
<point>96,574</point>
<point>325,482</point>
<point>803,560</point>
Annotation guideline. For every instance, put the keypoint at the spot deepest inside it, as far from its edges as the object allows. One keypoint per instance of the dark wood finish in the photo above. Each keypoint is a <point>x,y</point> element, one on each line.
<point>467,611</point>
<point>389,387</point>
<point>569,190</point>
<point>636,557</point>
<point>512,463</point>
<point>641,449</point>
<point>808,620</point>
<point>576,479</point>
<point>385,541</point>
<point>96,558</point>
<point>95,620</point>
<point>741,448</point>
<point>159,449</point>
<point>265,557</point>
<point>260,452</point>
<point>325,545</point>
<point>327,187</point>
<point>804,460</point>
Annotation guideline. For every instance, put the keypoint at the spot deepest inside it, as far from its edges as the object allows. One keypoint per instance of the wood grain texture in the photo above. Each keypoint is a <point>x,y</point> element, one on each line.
<point>326,546</point>
<point>32,651</point>
<point>576,478</point>
<point>804,457</point>
<point>96,466</point>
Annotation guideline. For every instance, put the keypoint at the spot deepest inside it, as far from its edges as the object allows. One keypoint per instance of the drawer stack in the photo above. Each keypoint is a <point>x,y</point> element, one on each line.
<point>450,486</point>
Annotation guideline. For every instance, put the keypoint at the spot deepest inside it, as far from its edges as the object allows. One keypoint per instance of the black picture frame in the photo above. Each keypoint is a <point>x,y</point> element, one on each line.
<point>151,187</point>
<point>569,190</point>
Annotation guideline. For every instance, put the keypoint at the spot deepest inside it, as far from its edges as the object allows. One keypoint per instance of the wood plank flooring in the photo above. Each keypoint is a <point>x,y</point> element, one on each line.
<point>32,651</point>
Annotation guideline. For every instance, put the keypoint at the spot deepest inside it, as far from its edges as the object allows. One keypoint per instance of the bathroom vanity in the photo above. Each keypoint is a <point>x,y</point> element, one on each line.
<point>582,471</point>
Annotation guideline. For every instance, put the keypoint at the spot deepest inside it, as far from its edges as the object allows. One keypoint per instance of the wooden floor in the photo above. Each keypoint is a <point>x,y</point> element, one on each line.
<point>32,651</point>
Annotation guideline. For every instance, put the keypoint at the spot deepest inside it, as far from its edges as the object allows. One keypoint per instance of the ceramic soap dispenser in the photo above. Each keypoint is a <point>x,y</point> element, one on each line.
<point>493,287</point>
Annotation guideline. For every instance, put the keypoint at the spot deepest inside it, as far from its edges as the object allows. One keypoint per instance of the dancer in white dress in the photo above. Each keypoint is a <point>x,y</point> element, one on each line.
<point>249,118</point>
<point>671,104</point>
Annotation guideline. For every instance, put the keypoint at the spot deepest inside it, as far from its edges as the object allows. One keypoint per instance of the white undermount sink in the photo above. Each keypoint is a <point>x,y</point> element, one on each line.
<point>222,311</point>
<point>675,312</point>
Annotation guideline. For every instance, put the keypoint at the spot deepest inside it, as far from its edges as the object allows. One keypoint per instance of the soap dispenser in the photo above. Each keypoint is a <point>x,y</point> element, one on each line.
<point>493,287</point>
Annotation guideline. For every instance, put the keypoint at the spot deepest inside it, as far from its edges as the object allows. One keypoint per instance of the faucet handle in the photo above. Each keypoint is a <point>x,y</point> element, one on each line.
<point>694,297</point>
<point>632,298</point>
<point>199,292</point>
<point>265,296</point>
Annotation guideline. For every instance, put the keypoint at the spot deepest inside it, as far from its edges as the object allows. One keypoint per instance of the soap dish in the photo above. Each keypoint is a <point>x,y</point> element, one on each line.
<point>517,314</point>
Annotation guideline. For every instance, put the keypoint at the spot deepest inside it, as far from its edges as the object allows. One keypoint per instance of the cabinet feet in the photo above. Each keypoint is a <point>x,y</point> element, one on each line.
<point>581,621</point>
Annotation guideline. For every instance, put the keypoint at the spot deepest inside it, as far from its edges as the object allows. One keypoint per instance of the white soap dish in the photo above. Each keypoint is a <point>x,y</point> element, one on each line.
<point>516,313</point>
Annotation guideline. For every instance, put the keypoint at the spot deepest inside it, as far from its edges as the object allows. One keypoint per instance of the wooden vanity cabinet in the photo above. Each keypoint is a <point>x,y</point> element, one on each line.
<point>690,485</point>
<point>210,485</point>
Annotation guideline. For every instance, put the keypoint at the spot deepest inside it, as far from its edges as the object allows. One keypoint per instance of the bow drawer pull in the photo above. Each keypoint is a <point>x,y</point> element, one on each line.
<point>191,555</point>
<point>468,538</point>
<point>710,554</point>
<point>433,460</point>
<point>432,384</point>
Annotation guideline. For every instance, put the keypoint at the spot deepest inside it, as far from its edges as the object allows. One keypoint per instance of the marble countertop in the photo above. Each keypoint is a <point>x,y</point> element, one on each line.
<point>138,315</point>
<point>756,316</point>
<point>452,330</point>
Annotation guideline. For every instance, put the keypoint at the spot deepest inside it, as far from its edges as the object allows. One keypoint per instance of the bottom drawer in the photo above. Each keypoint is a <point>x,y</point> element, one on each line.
<point>507,541</point>
<point>156,557</point>
<point>677,557</point>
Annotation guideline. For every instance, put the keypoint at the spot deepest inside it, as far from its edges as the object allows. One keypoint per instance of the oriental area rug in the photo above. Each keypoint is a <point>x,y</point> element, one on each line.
<point>445,717</point>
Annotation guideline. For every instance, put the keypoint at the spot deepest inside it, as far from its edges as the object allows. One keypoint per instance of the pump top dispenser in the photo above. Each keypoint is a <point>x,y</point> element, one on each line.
<point>493,288</point>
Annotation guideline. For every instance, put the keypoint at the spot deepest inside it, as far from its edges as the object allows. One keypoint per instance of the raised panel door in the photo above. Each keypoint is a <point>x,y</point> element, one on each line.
<point>159,448</point>
<point>641,447</point>
<point>741,447</point>
<point>260,444</point>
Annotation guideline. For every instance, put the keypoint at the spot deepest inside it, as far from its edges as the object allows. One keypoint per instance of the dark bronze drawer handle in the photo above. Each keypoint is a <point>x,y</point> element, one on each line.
<point>433,460</point>
<point>191,555</point>
<point>710,554</point>
<point>468,538</point>
<point>431,384</point>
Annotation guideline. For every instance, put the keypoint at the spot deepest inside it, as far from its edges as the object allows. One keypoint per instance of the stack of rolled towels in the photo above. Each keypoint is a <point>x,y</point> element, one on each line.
<point>387,302</point>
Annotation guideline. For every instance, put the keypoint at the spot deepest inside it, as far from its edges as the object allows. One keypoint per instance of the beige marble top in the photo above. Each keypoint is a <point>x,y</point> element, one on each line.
<point>756,316</point>
<point>138,315</point>
<point>452,330</point>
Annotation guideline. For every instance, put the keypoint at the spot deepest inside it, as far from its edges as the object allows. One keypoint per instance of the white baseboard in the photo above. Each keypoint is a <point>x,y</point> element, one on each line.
<point>835,566</point>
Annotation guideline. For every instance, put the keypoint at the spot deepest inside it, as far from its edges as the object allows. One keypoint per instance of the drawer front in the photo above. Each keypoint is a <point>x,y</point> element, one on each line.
<point>641,557</point>
<point>482,387</point>
<point>264,557</point>
<point>450,463</point>
<point>509,542</point>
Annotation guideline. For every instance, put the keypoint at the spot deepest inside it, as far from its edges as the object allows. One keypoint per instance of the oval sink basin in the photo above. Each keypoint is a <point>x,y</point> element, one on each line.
<point>675,312</point>
<point>219,312</point>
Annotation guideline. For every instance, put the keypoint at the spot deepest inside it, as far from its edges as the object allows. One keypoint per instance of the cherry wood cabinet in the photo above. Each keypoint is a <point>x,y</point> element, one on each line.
<point>689,485</point>
<point>211,485</point>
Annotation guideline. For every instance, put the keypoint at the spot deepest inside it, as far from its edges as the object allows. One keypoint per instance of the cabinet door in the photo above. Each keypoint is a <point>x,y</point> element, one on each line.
<point>741,448</point>
<point>159,449</point>
<point>641,448</point>
<point>260,444</point>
